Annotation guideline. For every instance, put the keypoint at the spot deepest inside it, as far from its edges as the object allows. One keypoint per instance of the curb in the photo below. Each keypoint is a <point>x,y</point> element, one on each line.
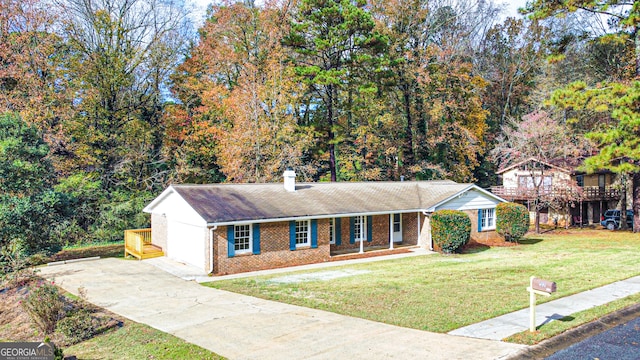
<point>72,261</point>
<point>577,334</point>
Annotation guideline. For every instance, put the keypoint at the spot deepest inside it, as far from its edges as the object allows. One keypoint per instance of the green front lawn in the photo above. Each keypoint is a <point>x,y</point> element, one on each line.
<point>444,292</point>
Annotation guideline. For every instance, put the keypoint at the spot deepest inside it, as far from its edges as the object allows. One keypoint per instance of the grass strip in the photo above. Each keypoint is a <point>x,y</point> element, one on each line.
<point>138,341</point>
<point>559,326</point>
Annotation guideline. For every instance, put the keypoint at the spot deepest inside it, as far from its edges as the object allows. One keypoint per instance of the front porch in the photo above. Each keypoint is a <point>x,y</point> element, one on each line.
<point>371,251</point>
<point>137,243</point>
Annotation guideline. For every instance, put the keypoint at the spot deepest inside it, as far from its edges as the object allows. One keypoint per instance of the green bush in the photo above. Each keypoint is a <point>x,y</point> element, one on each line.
<point>512,221</point>
<point>45,306</point>
<point>450,230</point>
<point>78,326</point>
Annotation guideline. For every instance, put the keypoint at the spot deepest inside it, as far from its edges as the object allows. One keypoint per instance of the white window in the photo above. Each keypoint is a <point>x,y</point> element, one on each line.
<point>302,233</point>
<point>332,231</point>
<point>488,219</point>
<point>360,228</point>
<point>242,239</point>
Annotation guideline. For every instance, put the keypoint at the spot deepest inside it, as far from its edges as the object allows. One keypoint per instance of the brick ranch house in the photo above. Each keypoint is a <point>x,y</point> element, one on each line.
<point>232,228</point>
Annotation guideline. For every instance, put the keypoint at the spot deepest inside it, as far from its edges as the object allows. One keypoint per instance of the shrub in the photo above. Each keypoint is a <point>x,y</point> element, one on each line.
<point>45,306</point>
<point>512,221</point>
<point>78,326</point>
<point>19,278</point>
<point>450,230</point>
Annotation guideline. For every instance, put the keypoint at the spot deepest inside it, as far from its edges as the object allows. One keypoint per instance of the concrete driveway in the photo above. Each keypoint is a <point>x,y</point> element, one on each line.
<point>243,327</point>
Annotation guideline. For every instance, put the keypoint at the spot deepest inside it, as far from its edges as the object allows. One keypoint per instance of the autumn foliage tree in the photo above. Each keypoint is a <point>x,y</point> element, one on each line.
<point>121,53</point>
<point>240,98</point>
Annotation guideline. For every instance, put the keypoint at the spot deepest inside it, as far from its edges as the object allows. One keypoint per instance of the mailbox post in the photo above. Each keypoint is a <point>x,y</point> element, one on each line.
<point>539,287</point>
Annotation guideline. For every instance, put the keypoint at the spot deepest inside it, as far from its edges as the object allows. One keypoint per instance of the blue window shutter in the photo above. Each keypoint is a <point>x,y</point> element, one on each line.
<point>352,230</point>
<point>292,235</point>
<point>231,249</point>
<point>369,228</point>
<point>314,233</point>
<point>479,220</point>
<point>256,239</point>
<point>338,231</point>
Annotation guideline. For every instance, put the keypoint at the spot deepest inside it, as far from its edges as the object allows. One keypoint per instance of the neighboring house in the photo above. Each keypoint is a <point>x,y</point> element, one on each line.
<point>232,228</point>
<point>593,194</point>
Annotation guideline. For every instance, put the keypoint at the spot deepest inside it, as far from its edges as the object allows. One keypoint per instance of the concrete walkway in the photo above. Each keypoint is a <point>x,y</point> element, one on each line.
<point>513,323</point>
<point>243,327</point>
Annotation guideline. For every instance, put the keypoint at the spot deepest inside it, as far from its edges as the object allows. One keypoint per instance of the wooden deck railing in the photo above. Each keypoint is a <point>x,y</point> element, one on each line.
<point>138,243</point>
<point>587,193</point>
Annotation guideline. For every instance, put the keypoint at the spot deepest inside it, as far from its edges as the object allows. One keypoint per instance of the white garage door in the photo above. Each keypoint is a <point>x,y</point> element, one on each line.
<point>186,243</point>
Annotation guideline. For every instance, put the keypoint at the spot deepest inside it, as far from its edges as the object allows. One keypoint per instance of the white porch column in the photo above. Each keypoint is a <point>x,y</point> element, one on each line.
<point>419,234</point>
<point>589,214</point>
<point>390,231</point>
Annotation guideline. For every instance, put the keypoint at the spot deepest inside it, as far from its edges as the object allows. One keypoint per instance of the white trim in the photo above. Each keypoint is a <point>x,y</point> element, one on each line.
<point>391,231</point>
<point>363,228</point>
<point>470,187</point>
<point>493,226</point>
<point>332,231</point>
<point>419,232</point>
<point>393,224</point>
<point>168,191</point>
<point>311,217</point>
<point>308,232</point>
<point>235,239</point>
<point>211,238</point>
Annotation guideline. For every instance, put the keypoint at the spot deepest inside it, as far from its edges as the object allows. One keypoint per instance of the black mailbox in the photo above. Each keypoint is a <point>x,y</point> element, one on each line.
<point>543,285</point>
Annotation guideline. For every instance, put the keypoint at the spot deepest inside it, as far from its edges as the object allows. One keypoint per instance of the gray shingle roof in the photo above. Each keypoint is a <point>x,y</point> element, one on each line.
<point>223,203</point>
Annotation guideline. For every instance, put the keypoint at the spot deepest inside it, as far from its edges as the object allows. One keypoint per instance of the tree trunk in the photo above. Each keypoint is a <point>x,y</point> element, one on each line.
<point>637,43</point>
<point>332,147</point>
<point>537,219</point>
<point>623,203</point>
<point>409,155</point>
<point>636,202</point>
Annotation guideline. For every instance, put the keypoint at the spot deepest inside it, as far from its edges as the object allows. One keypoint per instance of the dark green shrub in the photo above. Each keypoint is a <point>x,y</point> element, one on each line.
<point>512,221</point>
<point>450,230</point>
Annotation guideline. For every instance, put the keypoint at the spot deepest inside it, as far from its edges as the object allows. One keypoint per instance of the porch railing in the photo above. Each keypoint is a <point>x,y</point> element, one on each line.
<point>587,193</point>
<point>135,242</point>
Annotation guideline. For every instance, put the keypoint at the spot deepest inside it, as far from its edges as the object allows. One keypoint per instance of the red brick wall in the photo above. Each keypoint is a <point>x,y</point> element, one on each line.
<point>487,237</point>
<point>274,250</point>
<point>410,229</point>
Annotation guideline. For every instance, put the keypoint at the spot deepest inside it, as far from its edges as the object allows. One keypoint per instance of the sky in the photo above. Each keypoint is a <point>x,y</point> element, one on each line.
<point>201,8</point>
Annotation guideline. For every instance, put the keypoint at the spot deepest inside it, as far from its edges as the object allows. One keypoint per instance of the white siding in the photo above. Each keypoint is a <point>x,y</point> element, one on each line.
<point>186,230</point>
<point>186,243</point>
<point>510,178</point>
<point>469,200</point>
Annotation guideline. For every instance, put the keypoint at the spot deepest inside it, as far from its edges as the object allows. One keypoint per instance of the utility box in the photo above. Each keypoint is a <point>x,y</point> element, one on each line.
<point>543,285</point>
